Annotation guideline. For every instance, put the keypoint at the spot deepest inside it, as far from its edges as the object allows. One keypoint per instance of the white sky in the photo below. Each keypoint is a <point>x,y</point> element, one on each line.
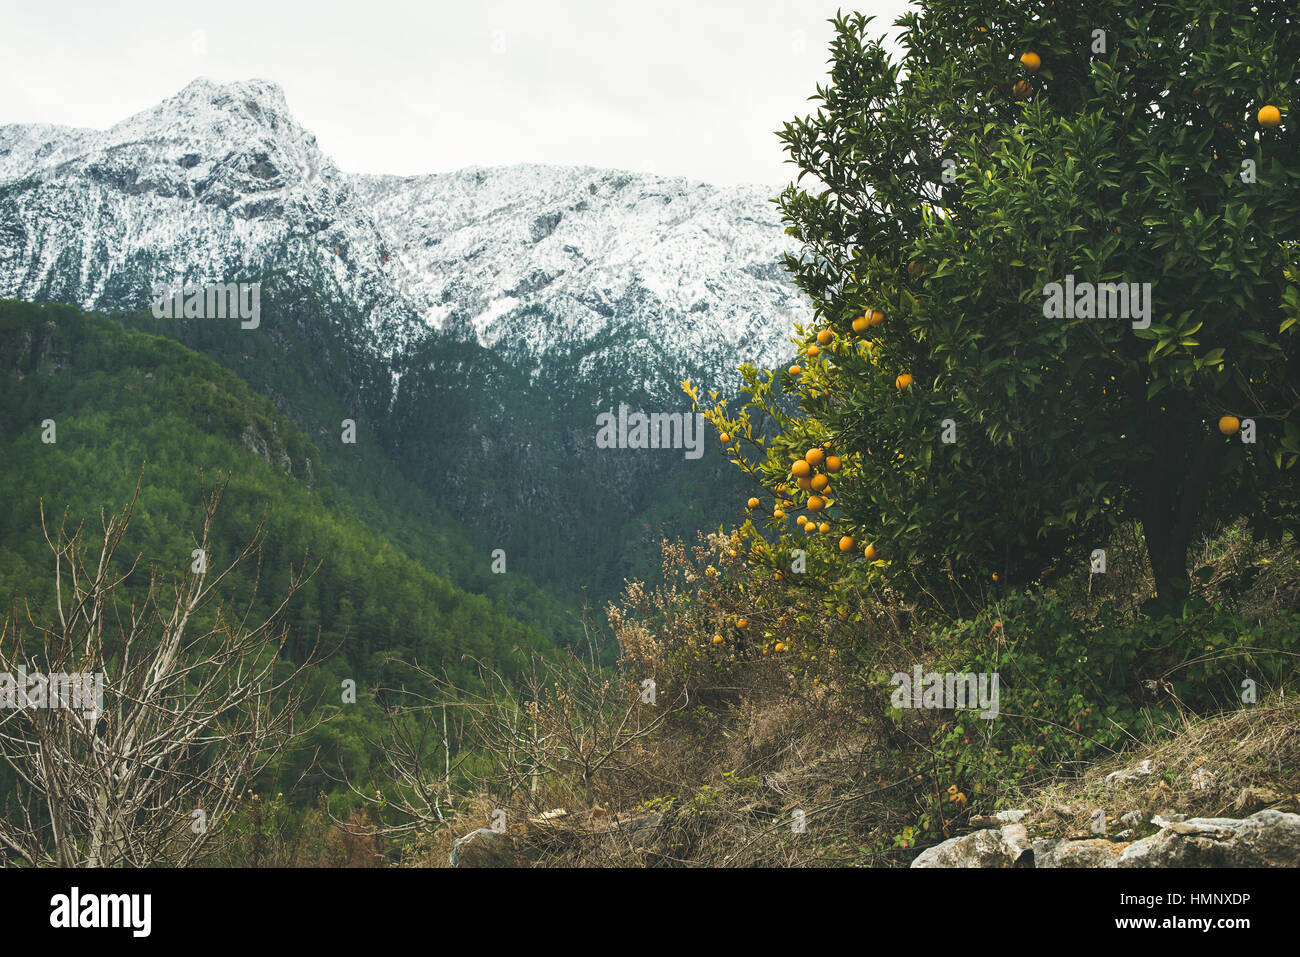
<point>673,87</point>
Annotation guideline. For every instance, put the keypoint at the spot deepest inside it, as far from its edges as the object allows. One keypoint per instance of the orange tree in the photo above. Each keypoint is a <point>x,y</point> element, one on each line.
<point>986,427</point>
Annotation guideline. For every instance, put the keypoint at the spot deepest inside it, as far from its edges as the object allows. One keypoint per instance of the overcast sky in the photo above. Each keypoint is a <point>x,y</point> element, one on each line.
<point>677,87</point>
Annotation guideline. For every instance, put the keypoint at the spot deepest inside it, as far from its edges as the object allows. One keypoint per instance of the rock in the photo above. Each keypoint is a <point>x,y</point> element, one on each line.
<point>1265,839</point>
<point>1202,779</point>
<point>483,848</point>
<point>641,821</point>
<point>640,827</point>
<point>1140,770</point>
<point>1001,817</point>
<point>1007,846</point>
<point>1092,852</point>
<point>1133,819</point>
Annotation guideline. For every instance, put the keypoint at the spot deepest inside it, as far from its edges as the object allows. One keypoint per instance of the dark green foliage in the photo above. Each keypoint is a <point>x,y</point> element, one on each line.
<point>300,357</point>
<point>123,399</point>
<point>1074,691</point>
<point>1114,165</point>
<point>470,454</point>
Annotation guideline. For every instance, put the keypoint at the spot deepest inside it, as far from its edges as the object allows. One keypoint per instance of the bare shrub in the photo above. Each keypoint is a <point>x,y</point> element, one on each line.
<point>191,712</point>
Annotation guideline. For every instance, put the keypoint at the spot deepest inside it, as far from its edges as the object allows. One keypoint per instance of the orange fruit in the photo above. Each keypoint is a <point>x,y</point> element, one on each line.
<point>819,483</point>
<point>823,337</point>
<point>846,543</point>
<point>810,528</point>
<point>1229,425</point>
<point>778,514</point>
<point>717,639</point>
<point>805,483</point>
<point>1022,90</point>
<point>824,527</point>
<point>802,520</point>
<point>813,352</point>
<point>800,468</point>
<point>860,324</point>
<point>869,553</point>
<point>833,464</point>
<point>1031,60</point>
<point>876,317</point>
<point>1269,117</point>
<point>795,370</point>
<point>903,381</point>
<point>753,503</point>
<point>814,457</point>
<point>742,622</point>
<point>816,504</point>
<point>780,646</point>
<point>724,438</point>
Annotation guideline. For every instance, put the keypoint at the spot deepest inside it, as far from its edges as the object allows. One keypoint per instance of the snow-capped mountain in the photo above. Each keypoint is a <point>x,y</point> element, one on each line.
<point>532,262</point>
<point>214,183</point>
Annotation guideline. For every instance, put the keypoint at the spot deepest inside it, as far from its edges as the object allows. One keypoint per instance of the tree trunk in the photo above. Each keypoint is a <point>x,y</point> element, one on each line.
<point>1169,568</point>
<point>1170,514</point>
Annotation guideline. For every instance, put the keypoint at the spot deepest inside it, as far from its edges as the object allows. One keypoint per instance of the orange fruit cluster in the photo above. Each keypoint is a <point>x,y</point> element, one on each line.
<point>868,320</point>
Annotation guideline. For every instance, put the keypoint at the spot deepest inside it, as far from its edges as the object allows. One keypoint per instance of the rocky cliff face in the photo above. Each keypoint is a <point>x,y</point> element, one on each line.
<point>593,269</point>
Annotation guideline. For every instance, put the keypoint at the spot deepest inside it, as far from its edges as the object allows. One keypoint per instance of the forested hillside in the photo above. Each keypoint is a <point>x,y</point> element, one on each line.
<point>468,454</point>
<point>128,407</point>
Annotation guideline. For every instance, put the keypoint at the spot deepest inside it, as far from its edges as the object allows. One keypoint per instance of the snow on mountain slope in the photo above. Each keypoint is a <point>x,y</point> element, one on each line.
<point>533,262</point>
<point>606,255</point>
<point>214,183</point>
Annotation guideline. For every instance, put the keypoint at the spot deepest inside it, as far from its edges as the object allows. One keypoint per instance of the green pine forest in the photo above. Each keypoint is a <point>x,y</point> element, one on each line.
<point>131,407</point>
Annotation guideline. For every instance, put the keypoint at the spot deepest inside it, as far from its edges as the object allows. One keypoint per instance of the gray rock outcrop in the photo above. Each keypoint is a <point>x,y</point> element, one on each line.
<point>1265,839</point>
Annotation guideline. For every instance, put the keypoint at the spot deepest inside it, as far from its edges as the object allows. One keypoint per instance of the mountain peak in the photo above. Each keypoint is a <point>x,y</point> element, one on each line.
<point>260,100</point>
<point>600,268</point>
<point>206,111</point>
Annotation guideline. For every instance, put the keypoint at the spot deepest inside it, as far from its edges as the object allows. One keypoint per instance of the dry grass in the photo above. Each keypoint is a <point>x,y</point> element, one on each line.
<point>746,743</point>
<point>1229,765</point>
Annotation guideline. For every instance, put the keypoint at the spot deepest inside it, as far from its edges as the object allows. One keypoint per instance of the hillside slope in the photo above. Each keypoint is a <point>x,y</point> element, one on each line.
<point>121,400</point>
